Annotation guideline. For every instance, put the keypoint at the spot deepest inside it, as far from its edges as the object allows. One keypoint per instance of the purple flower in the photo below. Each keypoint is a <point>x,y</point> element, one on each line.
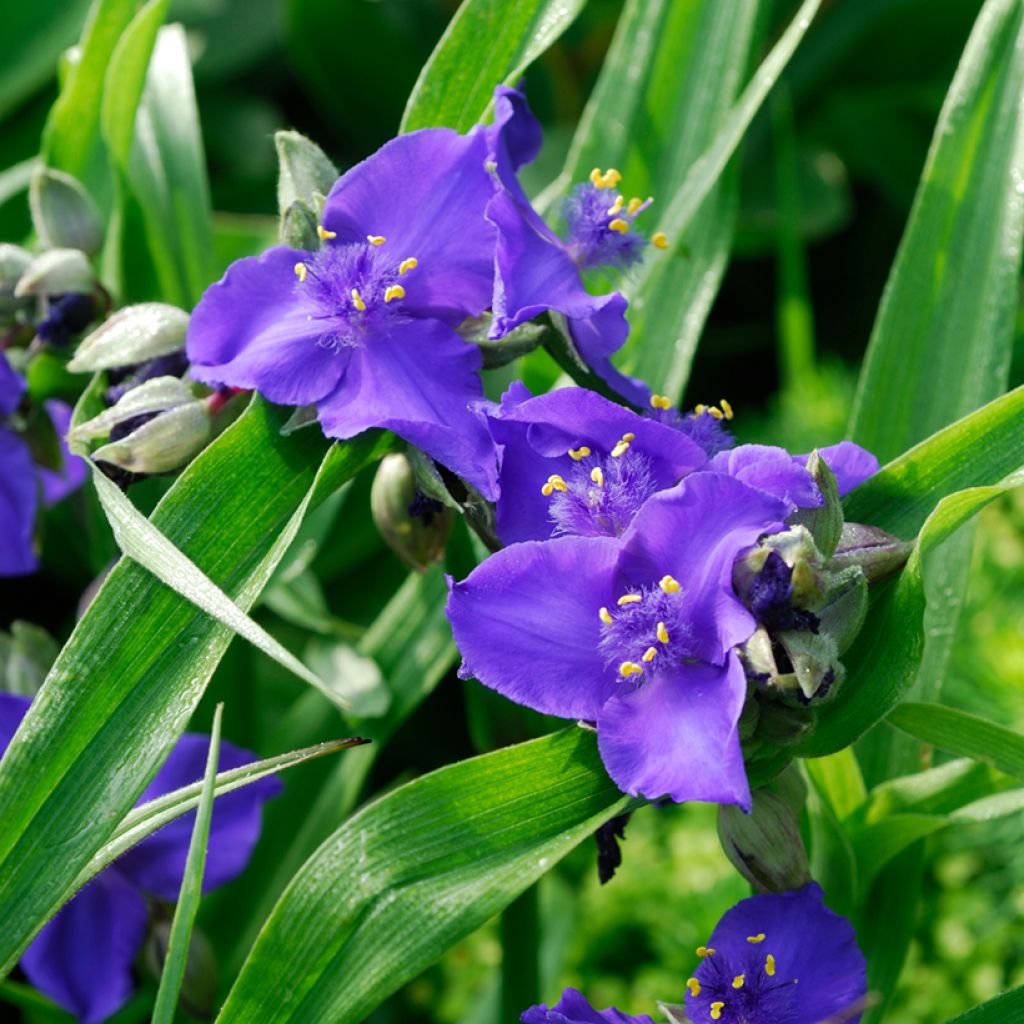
<point>365,327</point>
<point>779,959</point>
<point>536,271</point>
<point>83,958</point>
<point>571,462</point>
<point>573,1008</point>
<point>634,633</point>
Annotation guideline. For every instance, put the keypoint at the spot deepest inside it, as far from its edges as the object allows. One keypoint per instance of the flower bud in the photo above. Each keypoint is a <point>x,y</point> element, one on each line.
<point>298,226</point>
<point>414,526</point>
<point>153,396</point>
<point>825,523</point>
<point>765,845</point>
<point>878,553</point>
<point>198,994</point>
<point>846,607</point>
<point>14,262</point>
<point>132,335</point>
<point>501,351</point>
<point>57,272</point>
<point>782,724</point>
<point>162,443</point>
<point>26,654</point>
<point>304,170</point>
<point>63,213</point>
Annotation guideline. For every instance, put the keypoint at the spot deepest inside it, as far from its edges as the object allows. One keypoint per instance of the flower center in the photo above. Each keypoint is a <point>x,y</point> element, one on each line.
<point>645,630</point>
<point>751,989</point>
<point>352,288</point>
<point>600,494</point>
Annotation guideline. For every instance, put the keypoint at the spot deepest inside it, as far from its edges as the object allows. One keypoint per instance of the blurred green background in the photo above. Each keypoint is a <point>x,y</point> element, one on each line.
<point>863,93</point>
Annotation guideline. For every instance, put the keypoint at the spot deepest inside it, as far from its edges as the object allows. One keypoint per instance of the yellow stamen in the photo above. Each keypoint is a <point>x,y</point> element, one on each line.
<point>659,240</point>
<point>629,437</point>
<point>737,982</point>
<point>650,654</point>
<point>629,599</point>
<point>301,270</point>
<point>611,178</point>
<point>662,633</point>
<point>634,204</point>
<point>703,951</point>
<point>694,986</point>
<point>699,409</point>
<point>376,239</point>
<point>755,939</point>
<point>716,1009</point>
<point>408,264</point>
<point>630,668</point>
<point>620,449</point>
<point>324,233</point>
<point>769,966</point>
<point>597,475</point>
<point>620,225</point>
<point>357,300</point>
<point>717,413</point>
<point>605,616</point>
<point>596,177</point>
<point>616,206</point>
<point>661,402</point>
<point>579,453</point>
<point>726,408</point>
<point>554,483</point>
<point>395,291</point>
<point>669,584</point>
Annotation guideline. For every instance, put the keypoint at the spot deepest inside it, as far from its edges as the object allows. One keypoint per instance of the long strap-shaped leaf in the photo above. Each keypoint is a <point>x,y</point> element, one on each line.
<point>123,688</point>
<point>416,871</point>
<point>1001,1010</point>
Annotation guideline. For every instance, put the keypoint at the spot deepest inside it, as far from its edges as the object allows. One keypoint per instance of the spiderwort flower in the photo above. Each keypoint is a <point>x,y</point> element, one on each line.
<point>536,271</point>
<point>365,326</point>
<point>779,959</point>
<point>83,958</point>
<point>573,1008</point>
<point>635,633</point>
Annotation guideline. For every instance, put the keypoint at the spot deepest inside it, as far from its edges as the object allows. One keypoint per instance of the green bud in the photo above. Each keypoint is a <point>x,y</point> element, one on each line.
<point>825,523</point>
<point>765,846</point>
<point>132,335</point>
<point>152,396</point>
<point>877,553</point>
<point>26,654</point>
<point>815,661</point>
<point>56,272</point>
<point>63,213</point>
<point>782,724</point>
<point>846,607</point>
<point>298,226</point>
<point>198,994</point>
<point>501,351</point>
<point>304,169</point>
<point>14,262</point>
<point>163,443</point>
<point>418,539</point>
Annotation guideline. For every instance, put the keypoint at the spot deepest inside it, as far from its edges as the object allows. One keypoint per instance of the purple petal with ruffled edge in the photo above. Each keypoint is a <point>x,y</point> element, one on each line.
<point>675,735</point>
<point>19,500</point>
<point>817,968</point>
<point>526,623</point>
<point>425,193</point>
<point>537,433</point>
<point>252,329</point>
<point>12,387</point>
<point>157,864</point>
<point>598,336</point>
<point>58,484</point>
<point>420,381</point>
<point>769,469</point>
<point>83,958</point>
<point>515,137</point>
<point>12,711</point>
<point>573,1008</point>
<point>850,463</point>
<point>694,532</point>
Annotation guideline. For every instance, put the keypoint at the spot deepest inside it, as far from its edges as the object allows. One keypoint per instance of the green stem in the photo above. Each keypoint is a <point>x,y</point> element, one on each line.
<point>520,956</point>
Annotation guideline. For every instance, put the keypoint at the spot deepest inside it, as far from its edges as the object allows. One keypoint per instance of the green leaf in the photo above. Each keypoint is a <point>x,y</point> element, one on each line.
<point>996,1011</point>
<point>191,888</point>
<point>416,871</point>
<point>132,673</point>
<point>960,733</point>
<point>838,780</point>
<point>487,42</point>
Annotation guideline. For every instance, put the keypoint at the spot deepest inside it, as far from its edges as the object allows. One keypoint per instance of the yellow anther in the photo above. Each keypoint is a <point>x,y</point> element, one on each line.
<point>661,402</point>
<point>630,668</point>
<point>554,483</point>
<point>620,448</point>
<point>597,475</point>
<point>579,453</point>
<point>726,408</point>
<point>755,939</point>
<point>662,633</point>
<point>605,616</point>
<point>737,982</point>
<point>699,410</point>
<point>629,437</point>
<point>659,240</point>
<point>769,966</point>
<point>669,584</point>
<point>694,986</point>
<point>716,412</point>
<point>716,1009</point>
<point>301,270</point>
<point>620,225</point>
<point>597,178</point>
<point>324,233</point>
<point>703,951</point>
<point>357,300</point>
<point>408,264</point>
<point>611,178</point>
<point>376,239</point>
<point>629,599</point>
<point>616,206</point>
<point>634,204</point>
<point>650,654</point>
<point>394,291</point>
